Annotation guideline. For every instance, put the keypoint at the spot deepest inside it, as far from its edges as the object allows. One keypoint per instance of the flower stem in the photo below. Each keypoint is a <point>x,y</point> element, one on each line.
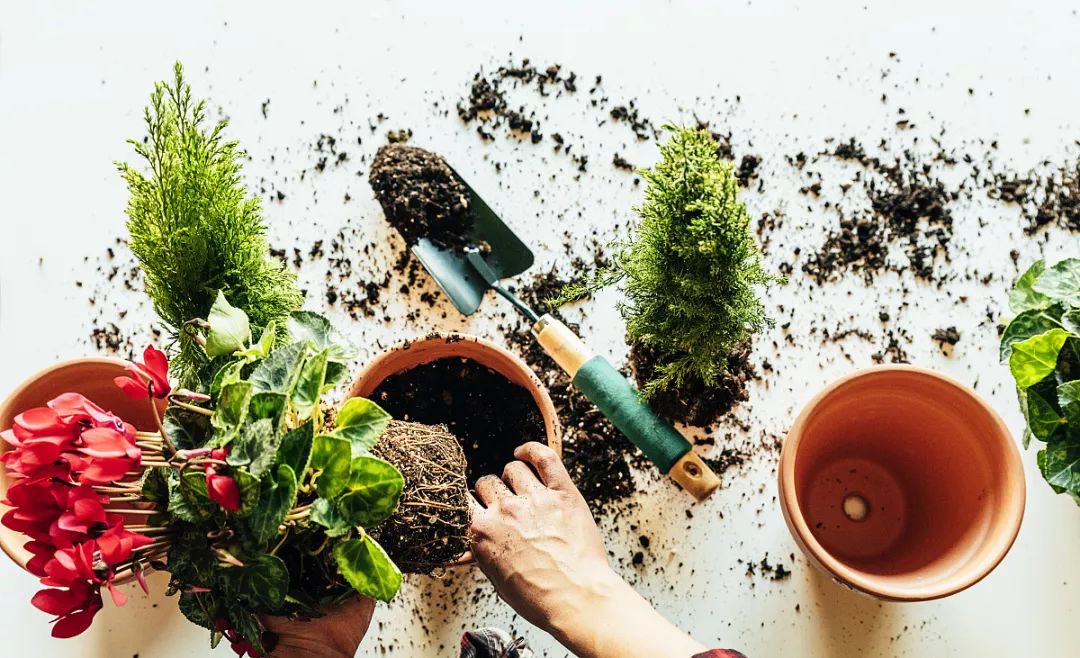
<point>190,407</point>
<point>160,427</point>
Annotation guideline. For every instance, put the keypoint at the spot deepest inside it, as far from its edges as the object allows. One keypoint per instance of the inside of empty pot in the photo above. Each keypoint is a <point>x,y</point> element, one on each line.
<point>488,413</point>
<point>897,476</point>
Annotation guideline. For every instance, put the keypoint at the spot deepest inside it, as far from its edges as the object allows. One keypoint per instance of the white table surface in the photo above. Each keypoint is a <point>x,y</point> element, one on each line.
<point>74,77</point>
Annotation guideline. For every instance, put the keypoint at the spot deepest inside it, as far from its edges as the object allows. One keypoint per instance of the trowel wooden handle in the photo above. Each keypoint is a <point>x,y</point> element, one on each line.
<point>618,400</point>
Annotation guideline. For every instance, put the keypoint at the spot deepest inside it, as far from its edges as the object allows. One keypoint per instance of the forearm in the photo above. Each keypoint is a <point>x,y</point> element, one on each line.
<point>614,621</point>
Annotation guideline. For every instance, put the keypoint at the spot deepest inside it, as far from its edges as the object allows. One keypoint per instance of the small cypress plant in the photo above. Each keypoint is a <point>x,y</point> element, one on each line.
<point>194,228</point>
<point>692,270</point>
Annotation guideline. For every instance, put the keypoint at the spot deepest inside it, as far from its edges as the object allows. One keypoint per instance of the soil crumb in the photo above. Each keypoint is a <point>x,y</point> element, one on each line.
<point>420,195</point>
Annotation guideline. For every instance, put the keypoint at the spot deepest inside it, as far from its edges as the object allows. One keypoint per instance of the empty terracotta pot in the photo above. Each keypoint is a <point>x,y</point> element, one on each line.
<point>901,483</point>
<point>93,378</point>
<point>410,354</point>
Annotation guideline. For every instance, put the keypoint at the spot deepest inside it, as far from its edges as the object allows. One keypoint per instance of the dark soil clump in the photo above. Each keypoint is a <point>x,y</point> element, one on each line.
<point>489,415</point>
<point>693,402</point>
<point>1044,199</point>
<point>430,528</point>
<point>420,195</point>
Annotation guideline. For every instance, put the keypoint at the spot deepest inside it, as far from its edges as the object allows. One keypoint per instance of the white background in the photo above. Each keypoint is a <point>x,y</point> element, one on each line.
<point>74,78</point>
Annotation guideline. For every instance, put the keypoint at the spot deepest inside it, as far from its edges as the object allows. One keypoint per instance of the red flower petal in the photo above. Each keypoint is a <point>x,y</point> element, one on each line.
<point>224,491</point>
<point>132,388</point>
<point>76,623</point>
<point>118,597</point>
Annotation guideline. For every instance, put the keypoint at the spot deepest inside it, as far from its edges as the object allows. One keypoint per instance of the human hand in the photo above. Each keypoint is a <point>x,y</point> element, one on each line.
<point>334,635</point>
<point>536,540</point>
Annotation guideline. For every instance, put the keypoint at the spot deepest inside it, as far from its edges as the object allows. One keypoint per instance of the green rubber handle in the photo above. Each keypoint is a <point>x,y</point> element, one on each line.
<point>617,399</point>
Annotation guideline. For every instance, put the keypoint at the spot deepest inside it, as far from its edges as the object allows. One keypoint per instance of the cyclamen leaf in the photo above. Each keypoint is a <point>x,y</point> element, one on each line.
<point>325,513</point>
<point>1069,401</point>
<point>247,625</point>
<point>317,331</point>
<point>249,491</point>
<point>193,492</point>
<point>231,407</point>
<point>277,496</point>
<point>277,373</point>
<point>226,374</point>
<point>367,567</point>
<point>1034,358</point>
<point>255,447</point>
<point>305,396</point>
<point>267,405</point>
<point>1061,282</point>
<point>261,349</point>
<point>335,374</point>
<point>229,328</point>
<point>373,493</point>
<point>186,429</point>
<point>1029,323</point>
<point>196,607</point>
<point>332,457</point>
<point>295,448</point>
<point>1071,320</point>
<point>1023,297</point>
<point>155,487</point>
<point>361,422</point>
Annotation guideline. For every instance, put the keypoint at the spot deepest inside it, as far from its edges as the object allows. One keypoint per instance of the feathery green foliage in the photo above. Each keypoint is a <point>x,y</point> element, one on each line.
<point>193,227</point>
<point>691,272</point>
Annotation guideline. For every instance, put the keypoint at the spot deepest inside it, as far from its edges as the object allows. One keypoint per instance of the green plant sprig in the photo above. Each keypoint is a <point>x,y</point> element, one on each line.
<point>692,271</point>
<point>195,230</point>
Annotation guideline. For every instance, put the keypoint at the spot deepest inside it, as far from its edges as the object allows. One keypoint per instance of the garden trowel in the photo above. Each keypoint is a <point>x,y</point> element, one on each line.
<point>497,253</point>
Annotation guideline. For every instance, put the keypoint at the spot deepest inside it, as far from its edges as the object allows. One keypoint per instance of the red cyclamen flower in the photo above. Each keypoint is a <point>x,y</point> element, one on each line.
<point>149,378</point>
<point>223,489</point>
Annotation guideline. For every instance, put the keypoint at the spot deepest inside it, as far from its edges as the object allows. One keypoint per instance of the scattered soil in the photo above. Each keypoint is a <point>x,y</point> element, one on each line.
<point>420,195</point>
<point>488,414</point>
<point>431,526</point>
<point>1045,199</point>
<point>695,403</point>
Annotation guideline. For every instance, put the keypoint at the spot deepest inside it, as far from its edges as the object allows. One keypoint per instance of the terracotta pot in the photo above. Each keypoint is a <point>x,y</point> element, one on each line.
<point>92,377</point>
<point>901,483</point>
<point>410,354</point>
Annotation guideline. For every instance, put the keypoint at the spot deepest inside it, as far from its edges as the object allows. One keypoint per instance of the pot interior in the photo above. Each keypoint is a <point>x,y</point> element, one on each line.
<point>904,476</point>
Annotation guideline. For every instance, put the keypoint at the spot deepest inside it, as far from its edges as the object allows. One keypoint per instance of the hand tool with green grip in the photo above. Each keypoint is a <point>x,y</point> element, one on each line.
<point>465,275</point>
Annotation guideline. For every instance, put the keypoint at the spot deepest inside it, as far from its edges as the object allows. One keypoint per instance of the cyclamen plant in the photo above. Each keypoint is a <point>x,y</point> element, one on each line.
<point>251,495</point>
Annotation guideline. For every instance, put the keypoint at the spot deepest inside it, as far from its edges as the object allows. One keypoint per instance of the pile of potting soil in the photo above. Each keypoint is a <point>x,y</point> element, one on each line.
<point>486,412</point>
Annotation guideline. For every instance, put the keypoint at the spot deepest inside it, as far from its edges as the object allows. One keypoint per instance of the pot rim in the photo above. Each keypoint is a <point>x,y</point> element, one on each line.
<point>1013,505</point>
<point>16,553</point>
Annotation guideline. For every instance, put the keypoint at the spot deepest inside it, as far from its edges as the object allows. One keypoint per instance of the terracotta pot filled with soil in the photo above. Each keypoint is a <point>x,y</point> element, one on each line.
<point>901,483</point>
<point>90,377</point>
<point>450,386</point>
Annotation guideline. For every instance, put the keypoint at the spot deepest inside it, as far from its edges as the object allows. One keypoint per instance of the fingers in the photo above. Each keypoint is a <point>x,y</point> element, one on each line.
<point>520,478</point>
<point>547,464</point>
<point>489,489</point>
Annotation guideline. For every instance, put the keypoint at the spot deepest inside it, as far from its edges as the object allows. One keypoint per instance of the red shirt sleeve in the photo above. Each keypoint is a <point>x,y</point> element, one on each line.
<point>720,653</point>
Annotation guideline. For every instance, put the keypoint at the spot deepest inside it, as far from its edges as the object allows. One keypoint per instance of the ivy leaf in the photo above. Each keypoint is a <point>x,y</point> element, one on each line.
<point>331,457</point>
<point>255,447</point>
<point>1042,418</point>
<point>1023,296</point>
<point>295,448</point>
<point>276,499</point>
<point>261,349</point>
<point>325,513</point>
<point>305,396</point>
<point>367,567</point>
<point>1059,463</point>
<point>373,493</point>
<point>1071,320</point>
<point>229,328</point>
<point>1034,358</point>
<point>361,422</point>
<point>1060,282</point>
<point>317,331</point>
<point>277,373</point>
<point>231,408</point>
<point>1068,395</point>
<point>1029,323</point>
<point>266,404</point>
<point>249,491</point>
